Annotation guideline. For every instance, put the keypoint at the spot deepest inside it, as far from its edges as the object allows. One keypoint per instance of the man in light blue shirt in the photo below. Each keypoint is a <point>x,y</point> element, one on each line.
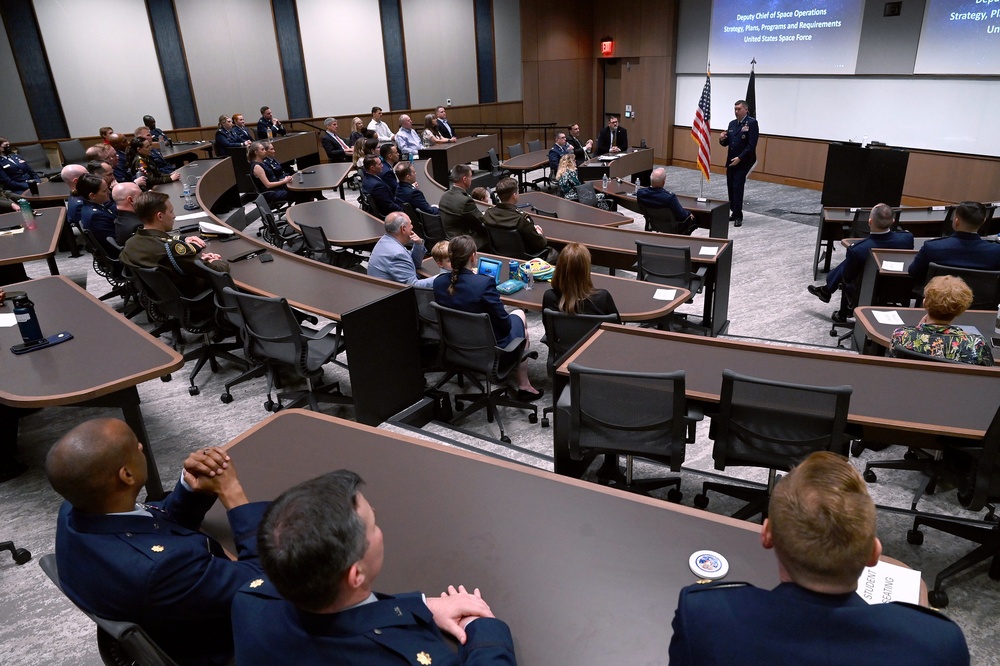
<point>391,260</point>
<point>407,138</point>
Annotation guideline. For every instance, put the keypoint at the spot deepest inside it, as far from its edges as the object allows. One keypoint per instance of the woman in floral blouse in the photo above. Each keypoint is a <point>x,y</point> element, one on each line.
<point>945,297</point>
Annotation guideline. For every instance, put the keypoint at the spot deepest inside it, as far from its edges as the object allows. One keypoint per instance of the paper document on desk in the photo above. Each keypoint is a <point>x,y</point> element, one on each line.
<point>890,317</point>
<point>893,266</point>
<point>210,228</point>
<point>190,216</point>
<point>665,294</point>
<point>8,319</point>
<point>11,232</point>
<point>707,251</point>
<point>886,582</point>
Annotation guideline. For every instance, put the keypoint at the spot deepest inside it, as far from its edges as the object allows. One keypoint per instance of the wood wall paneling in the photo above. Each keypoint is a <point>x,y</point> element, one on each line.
<point>952,178</point>
<point>789,158</point>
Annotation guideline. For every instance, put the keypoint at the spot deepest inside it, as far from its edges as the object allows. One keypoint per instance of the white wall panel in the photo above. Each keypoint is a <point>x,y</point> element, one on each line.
<point>232,56</point>
<point>115,84</point>
<point>440,40</point>
<point>346,75</point>
<point>507,43</point>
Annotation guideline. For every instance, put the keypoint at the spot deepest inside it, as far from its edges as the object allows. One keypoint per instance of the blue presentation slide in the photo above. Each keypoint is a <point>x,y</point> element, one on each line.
<point>960,37</point>
<point>803,37</point>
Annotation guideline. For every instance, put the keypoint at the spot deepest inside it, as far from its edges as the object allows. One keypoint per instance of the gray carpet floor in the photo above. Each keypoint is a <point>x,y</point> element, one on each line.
<point>769,303</point>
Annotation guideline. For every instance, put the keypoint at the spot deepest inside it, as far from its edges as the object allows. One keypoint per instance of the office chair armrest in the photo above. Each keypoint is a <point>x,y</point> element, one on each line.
<point>701,272</point>
<point>310,334</point>
<point>695,413</point>
<point>513,345</point>
<point>198,298</point>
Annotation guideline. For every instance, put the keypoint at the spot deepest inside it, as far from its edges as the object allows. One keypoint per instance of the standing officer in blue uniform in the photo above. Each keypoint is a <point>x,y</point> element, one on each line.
<point>741,140</point>
<point>322,552</point>
<point>15,171</point>
<point>821,526</point>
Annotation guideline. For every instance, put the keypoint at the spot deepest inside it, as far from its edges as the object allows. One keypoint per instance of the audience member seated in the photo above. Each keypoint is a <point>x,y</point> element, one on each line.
<point>322,552</point>
<point>105,152</point>
<point>945,298</point>
<point>123,170</point>
<point>155,133</point>
<point>270,180</point>
<point>573,290</point>
<point>357,130</point>
<point>140,157</point>
<point>376,189</point>
<point>558,149</point>
<point>963,249</point>
<point>431,136</point>
<point>567,177</point>
<point>459,212</point>
<point>268,126</point>
<point>444,128</point>
<point>336,149</point>
<point>407,139</point>
<point>505,215</point>
<point>14,171</point>
<point>103,171</point>
<point>390,158</point>
<point>440,254</point>
<point>70,174</point>
<point>240,129</point>
<point>125,195</point>
<point>105,132</point>
<point>408,190</point>
<point>612,139</point>
<point>148,563</point>
<point>97,214</point>
<point>580,149</point>
<point>152,246</point>
<point>390,260</point>
<point>470,292</point>
<point>364,147</point>
<point>849,270</point>
<point>162,165</point>
<point>655,196</point>
<point>482,195</point>
<point>226,138</point>
<point>379,126</point>
<point>821,525</point>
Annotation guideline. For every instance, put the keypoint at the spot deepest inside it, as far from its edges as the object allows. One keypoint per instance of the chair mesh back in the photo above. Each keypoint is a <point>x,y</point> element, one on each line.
<point>315,238</point>
<point>986,483</point>
<point>515,150</point>
<point>628,412</point>
<point>225,303</point>
<point>563,331</point>
<point>586,195</point>
<point>468,344</point>
<point>985,285</point>
<point>430,327</point>
<point>73,151</point>
<point>433,227</point>
<point>161,292</point>
<point>272,332</point>
<point>775,425</point>
<point>507,242</point>
<point>659,219</point>
<point>34,154</point>
<point>534,145</point>
<point>664,264</point>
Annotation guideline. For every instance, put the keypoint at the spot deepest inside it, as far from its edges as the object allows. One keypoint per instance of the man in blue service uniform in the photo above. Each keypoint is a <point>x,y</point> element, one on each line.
<point>269,122</point>
<point>148,563</point>
<point>963,249</point>
<point>821,525</point>
<point>322,552</point>
<point>14,171</point>
<point>741,140</point>
<point>849,270</point>
<point>656,196</point>
<point>556,152</point>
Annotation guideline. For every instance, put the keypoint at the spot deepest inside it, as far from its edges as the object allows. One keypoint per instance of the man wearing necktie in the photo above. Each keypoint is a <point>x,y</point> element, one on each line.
<point>612,139</point>
<point>741,140</point>
<point>336,149</point>
<point>148,563</point>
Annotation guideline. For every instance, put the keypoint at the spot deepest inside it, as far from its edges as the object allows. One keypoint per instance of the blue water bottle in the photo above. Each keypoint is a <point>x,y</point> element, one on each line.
<point>27,321</point>
<point>515,268</point>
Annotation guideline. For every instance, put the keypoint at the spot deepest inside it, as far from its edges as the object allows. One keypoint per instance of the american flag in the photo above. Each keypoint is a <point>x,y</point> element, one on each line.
<point>701,129</point>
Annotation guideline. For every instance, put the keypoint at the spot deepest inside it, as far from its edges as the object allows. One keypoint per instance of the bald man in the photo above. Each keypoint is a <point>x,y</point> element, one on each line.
<point>74,206</point>
<point>147,563</point>
<point>128,221</point>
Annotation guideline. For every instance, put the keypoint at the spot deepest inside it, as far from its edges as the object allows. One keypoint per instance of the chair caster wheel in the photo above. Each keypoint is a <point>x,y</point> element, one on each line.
<point>277,408</point>
<point>834,334</point>
<point>505,439</point>
<point>226,398</point>
<point>166,378</point>
<point>909,455</point>
<point>532,418</point>
<point>269,405</point>
<point>21,556</point>
<point>870,476</point>
<point>459,405</point>
<point>674,495</point>
<point>701,500</point>
<point>914,537</point>
<point>938,598</point>
<point>857,446</point>
<point>193,390</point>
<point>545,422</point>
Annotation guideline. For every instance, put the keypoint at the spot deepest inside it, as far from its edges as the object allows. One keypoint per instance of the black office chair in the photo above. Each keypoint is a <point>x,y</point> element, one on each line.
<point>562,333</point>
<point>775,425</point>
<point>985,285</point>
<point>119,643</point>
<point>489,179</point>
<point>276,339</point>
<point>660,220</point>
<point>671,266</point>
<point>112,270</point>
<point>508,242</point>
<point>469,349</point>
<point>72,151</point>
<point>433,228</point>
<point>195,315</point>
<point>635,414</point>
<point>36,157</point>
<point>430,330</point>
<point>365,203</point>
<point>981,491</point>
<point>515,150</point>
<point>534,145</point>
<point>20,555</point>
<point>586,194</point>
<point>317,246</point>
<point>277,234</point>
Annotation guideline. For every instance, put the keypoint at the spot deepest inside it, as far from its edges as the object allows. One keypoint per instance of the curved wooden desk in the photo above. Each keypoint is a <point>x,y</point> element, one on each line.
<point>329,176</point>
<point>881,334</point>
<point>344,224</point>
<point>39,243</point>
<point>573,210</point>
<point>712,214</point>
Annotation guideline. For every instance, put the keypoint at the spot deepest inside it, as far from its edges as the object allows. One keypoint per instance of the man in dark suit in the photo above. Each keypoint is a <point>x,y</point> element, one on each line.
<point>741,140</point>
<point>148,563</point>
<point>376,189</point>
<point>612,139</point>
<point>849,270</point>
<point>821,525</point>
<point>582,150</point>
<point>323,551</point>
<point>336,148</point>
<point>389,152</point>
<point>656,196</point>
<point>963,249</point>
<point>556,152</point>
<point>459,211</point>
<point>408,192</point>
<point>443,127</point>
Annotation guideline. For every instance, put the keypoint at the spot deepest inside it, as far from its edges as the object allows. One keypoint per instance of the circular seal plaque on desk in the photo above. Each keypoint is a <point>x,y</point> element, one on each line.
<point>708,564</point>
